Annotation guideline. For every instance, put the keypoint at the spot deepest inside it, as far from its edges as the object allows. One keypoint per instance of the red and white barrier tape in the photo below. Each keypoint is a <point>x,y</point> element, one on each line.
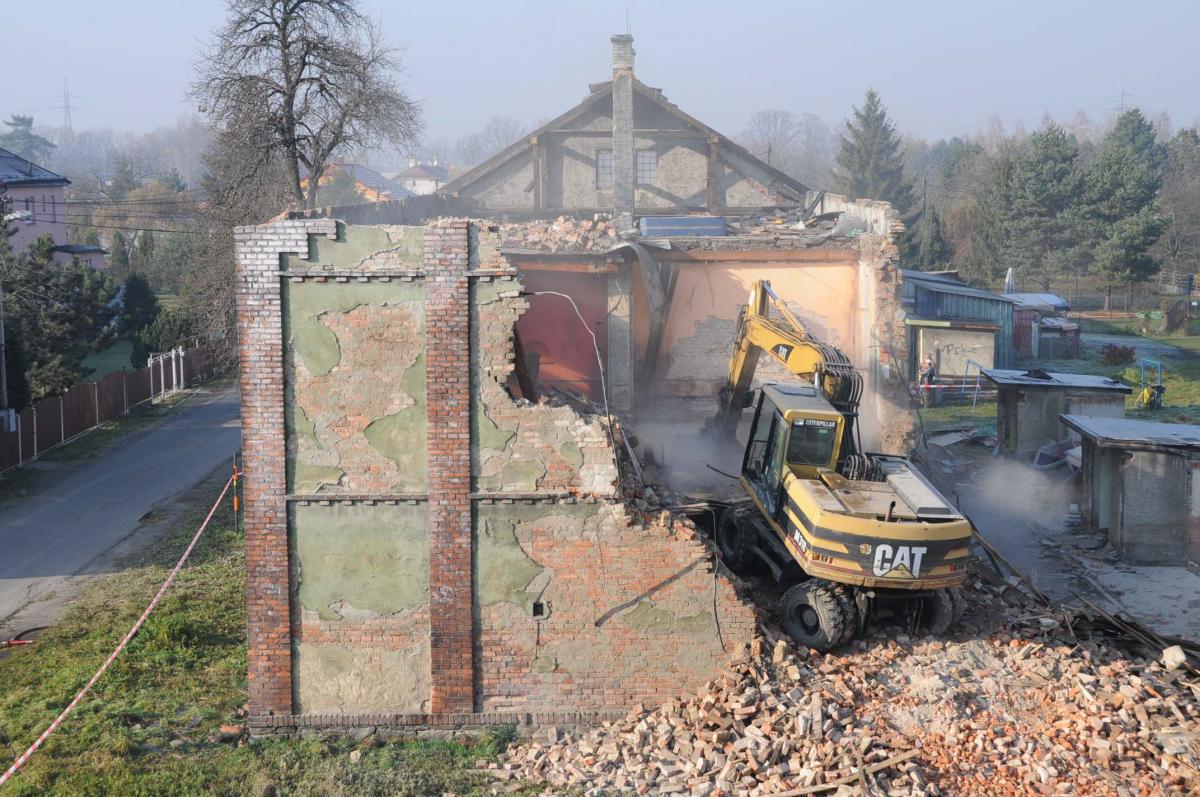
<point>113,656</point>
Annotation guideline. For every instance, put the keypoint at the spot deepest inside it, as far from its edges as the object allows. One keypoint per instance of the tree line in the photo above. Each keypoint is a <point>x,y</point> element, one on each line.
<point>1052,205</point>
<point>286,88</point>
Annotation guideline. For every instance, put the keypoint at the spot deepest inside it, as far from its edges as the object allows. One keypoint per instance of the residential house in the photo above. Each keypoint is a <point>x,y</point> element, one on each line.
<point>372,185</point>
<point>422,178</point>
<point>626,148</point>
<point>38,196</point>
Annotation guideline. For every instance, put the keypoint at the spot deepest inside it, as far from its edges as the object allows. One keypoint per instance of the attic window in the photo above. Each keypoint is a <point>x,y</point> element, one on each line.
<point>647,167</point>
<point>604,169</point>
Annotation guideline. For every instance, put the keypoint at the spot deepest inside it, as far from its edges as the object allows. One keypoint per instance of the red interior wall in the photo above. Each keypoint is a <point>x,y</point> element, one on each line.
<point>551,328</point>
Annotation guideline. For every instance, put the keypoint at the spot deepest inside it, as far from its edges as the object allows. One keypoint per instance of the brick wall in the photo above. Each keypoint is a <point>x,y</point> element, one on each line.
<point>260,337</point>
<point>520,509</point>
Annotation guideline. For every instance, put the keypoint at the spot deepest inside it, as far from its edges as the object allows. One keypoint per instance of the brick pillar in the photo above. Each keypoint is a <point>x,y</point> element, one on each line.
<point>624,190</point>
<point>260,339</point>
<point>448,386</point>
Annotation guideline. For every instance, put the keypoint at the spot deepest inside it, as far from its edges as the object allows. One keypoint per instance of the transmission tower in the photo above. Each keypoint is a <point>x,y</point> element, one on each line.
<point>66,106</point>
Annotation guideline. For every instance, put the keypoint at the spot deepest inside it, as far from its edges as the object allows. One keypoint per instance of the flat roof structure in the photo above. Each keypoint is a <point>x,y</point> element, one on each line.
<point>1037,378</point>
<point>1132,433</point>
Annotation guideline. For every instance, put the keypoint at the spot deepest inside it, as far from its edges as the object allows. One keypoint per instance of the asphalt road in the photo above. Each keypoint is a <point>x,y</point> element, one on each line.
<point>86,510</point>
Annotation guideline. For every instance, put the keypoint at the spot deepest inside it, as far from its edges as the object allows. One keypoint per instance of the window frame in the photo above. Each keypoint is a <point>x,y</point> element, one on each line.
<point>610,169</point>
<point>651,170</point>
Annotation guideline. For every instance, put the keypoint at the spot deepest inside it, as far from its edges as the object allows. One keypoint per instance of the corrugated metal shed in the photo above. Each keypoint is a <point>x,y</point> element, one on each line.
<point>930,296</point>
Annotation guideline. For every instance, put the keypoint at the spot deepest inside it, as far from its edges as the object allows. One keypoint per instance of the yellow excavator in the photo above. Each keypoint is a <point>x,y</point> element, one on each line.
<point>844,530</point>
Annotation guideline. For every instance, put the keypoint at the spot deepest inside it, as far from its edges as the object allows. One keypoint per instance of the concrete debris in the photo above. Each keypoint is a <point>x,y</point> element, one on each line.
<point>1021,709</point>
<point>1174,657</point>
<point>564,234</point>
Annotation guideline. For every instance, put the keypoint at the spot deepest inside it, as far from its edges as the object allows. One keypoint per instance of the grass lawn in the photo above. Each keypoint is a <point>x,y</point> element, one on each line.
<point>959,416</point>
<point>149,726</point>
<point>114,358</point>
<point>1114,325</point>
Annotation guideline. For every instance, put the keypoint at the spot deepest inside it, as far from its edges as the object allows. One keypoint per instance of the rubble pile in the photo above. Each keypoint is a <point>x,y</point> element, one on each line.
<point>564,234</point>
<point>1023,708</point>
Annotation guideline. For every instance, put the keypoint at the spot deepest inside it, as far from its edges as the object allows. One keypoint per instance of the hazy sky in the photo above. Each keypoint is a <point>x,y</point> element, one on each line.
<point>943,68</point>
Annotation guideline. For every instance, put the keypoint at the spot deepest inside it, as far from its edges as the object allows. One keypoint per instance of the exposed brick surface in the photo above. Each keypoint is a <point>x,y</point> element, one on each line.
<point>260,333</point>
<point>632,603</point>
<point>448,386</point>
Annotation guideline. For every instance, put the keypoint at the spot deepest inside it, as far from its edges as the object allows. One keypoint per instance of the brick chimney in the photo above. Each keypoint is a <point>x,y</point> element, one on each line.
<point>622,122</point>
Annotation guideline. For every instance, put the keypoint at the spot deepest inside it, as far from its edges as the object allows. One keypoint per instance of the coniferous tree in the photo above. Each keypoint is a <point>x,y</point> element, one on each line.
<point>1046,224</point>
<point>1122,187</point>
<point>870,163</point>
<point>139,305</point>
<point>21,140</point>
<point>991,220</point>
<point>930,251</point>
<point>59,313</point>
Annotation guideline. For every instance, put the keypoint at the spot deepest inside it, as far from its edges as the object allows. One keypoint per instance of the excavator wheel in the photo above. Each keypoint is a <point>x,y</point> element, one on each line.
<point>940,610</point>
<point>818,614</point>
<point>735,540</point>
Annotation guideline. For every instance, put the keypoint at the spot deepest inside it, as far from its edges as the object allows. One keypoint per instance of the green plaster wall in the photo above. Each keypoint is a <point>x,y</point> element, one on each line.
<point>363,248</point>
<point>306,302</point>
<point>503,571</point>
<point>355,561</point>
<point>335,419</point>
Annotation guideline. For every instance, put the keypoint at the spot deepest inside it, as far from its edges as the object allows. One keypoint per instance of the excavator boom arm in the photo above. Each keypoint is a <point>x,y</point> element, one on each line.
<point>792,346</point>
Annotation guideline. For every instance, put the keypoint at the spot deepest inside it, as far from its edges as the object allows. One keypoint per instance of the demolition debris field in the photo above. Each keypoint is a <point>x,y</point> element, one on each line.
<point>1018,701</point>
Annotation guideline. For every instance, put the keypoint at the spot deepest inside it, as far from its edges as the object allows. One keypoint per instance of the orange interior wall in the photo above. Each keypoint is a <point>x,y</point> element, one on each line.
<point>708,297</point>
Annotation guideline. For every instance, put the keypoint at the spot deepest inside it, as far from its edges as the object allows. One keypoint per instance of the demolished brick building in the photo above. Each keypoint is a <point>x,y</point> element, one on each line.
<point>423,547</point>
<point>437,526</point>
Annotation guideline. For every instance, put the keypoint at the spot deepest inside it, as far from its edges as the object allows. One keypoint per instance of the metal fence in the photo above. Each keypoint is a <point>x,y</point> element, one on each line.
<point>54,421</point>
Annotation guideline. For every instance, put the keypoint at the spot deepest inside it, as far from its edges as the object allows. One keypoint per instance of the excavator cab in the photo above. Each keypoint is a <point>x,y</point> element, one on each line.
<point>794,429</point>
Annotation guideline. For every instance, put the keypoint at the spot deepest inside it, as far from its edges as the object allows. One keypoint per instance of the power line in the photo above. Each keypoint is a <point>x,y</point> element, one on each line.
<point>115,227</point>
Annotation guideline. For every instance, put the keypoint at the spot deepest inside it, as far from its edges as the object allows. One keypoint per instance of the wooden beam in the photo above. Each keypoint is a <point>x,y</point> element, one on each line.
<point>712,181</point>
<point>589,133</point>
<point>813,255</point>
<point>536,154</point>
<point>575,268</point>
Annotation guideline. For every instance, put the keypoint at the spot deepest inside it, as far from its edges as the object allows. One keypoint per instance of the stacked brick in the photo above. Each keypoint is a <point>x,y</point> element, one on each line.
<point>448,386</point>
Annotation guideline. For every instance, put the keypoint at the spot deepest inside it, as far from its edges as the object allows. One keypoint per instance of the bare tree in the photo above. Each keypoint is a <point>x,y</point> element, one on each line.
<point>802,146</point>
<point>816,145</point>
<point>499,133</point>
<point>773,135</point>
<point>243,187</point>
<point>315,73</point>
